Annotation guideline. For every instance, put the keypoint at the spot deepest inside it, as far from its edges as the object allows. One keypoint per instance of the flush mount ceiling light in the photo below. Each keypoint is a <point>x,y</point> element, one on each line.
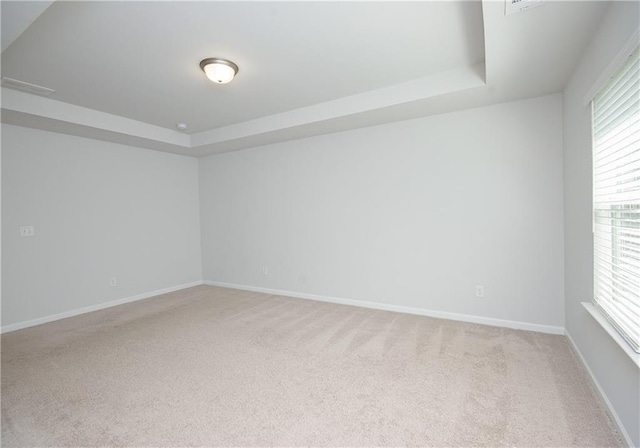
<point>220,71</point>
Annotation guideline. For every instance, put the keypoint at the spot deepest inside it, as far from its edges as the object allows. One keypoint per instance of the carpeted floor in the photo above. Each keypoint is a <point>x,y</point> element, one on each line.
<point>212,366</point>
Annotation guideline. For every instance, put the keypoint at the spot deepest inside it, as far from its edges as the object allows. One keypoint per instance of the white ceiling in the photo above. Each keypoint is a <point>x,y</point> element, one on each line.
<point>128,71</point>
<point>17,16</point>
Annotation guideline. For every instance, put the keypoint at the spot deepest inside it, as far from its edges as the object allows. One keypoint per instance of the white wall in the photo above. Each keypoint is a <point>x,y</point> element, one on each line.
<point>618,376</point>
<point>100,210</point>
<point>415,213</point>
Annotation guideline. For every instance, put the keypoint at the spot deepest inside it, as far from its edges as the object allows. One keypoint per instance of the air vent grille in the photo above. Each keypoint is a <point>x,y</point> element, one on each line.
<point>514,6</point>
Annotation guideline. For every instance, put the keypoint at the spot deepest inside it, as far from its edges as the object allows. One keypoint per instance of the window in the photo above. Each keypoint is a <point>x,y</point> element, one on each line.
<point>616,200</point>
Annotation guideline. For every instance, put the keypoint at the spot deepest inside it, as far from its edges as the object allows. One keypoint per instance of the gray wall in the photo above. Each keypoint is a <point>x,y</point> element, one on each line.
<point>618,376</point>
<point>100,210</point>
<point>413,214</point>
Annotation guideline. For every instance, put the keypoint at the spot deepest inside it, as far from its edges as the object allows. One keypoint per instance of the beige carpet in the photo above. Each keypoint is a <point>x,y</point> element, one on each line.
<point>212,366</point>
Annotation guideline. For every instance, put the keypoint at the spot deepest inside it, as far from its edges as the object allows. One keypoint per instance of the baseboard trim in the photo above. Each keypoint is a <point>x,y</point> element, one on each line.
<point>603,396</point>
<point>100,306</point>
<point>400,309</point>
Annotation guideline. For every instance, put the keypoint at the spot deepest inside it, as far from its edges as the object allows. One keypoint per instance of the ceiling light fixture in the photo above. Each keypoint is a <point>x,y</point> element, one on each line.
<point>220,71</point>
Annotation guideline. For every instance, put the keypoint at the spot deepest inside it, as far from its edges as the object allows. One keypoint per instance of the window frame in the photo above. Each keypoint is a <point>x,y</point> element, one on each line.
<point>599,314</point>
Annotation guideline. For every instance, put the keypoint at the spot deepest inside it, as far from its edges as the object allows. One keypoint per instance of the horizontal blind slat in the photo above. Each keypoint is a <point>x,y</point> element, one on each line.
<point>606,141</point>
<point>627,298</point>
<point>614,101</point>
<point>616,267</point>
<point>619,279</point>
<point>621,319</point>
<point>627,89</point>
<point>618,116</point>
<point>617,83</point>
<point>618,148</point>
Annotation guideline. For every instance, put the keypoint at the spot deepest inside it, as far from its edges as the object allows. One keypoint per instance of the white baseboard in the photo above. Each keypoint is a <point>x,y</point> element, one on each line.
<point>100,306</point>
<point>603,395</point>
<point>401,309</point>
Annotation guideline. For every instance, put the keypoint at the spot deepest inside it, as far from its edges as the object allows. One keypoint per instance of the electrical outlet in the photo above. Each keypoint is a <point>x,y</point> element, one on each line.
<point>479,291</point>
<point>113,281</point>
<point>27,231</point>
<point>265,270</point>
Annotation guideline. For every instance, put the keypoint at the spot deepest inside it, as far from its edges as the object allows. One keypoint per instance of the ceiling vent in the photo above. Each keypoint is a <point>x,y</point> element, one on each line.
<point>25,86</point>
<point>514,6</point>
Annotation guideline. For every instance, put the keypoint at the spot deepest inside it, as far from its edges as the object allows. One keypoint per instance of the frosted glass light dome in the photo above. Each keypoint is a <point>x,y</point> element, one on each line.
<point>220,71</point>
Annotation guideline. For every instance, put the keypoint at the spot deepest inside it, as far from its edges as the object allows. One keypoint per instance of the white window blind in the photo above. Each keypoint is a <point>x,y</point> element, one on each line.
<point>616,200</point>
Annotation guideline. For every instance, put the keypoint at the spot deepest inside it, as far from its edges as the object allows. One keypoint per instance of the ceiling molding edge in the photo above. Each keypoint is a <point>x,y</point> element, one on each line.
<point>46,108</point>
<point>24,109</point>
<point>418,89</point>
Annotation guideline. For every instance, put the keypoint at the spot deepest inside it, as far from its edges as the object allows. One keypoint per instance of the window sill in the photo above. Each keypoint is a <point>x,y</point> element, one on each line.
<point>604,323</point>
